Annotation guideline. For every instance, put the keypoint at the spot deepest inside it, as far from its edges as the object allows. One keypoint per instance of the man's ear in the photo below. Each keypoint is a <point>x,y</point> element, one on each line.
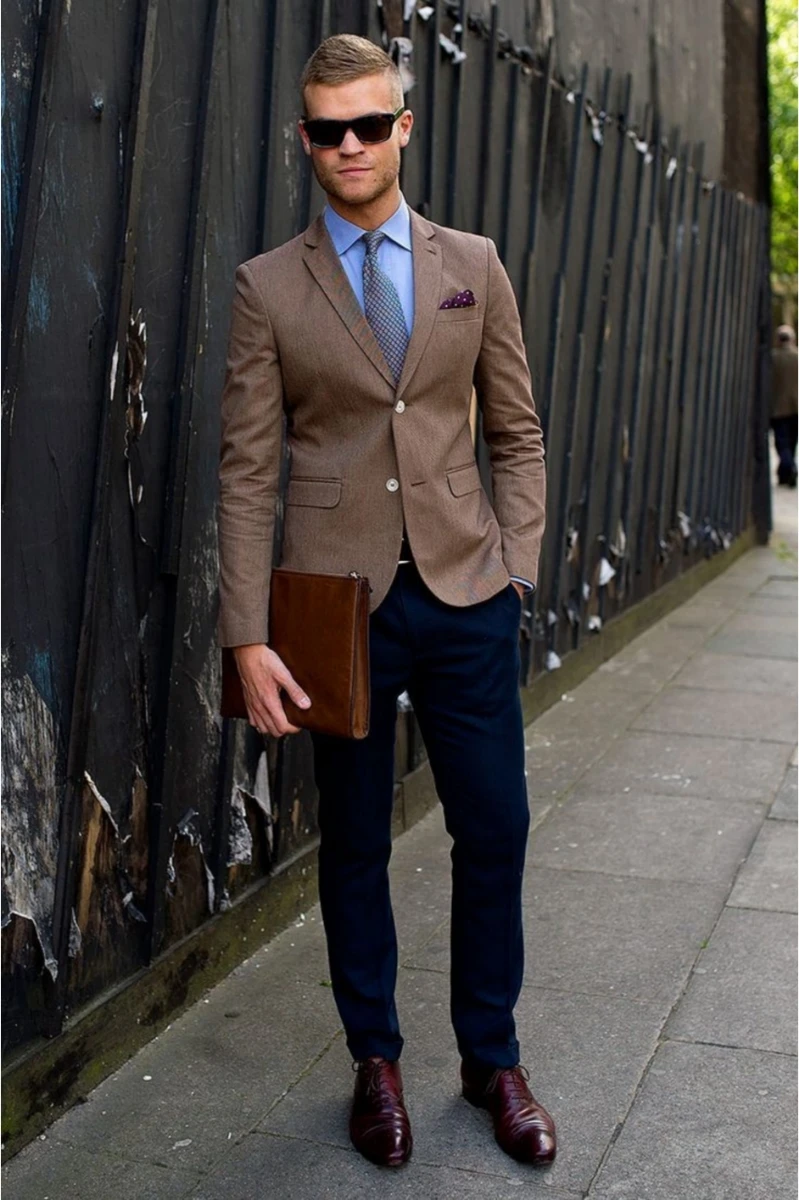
<point>405,127</point>
<point>306,145</point>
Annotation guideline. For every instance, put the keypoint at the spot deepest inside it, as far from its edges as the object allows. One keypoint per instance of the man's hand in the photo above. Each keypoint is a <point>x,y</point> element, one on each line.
<point>519,588</point>
<point>263,675</point>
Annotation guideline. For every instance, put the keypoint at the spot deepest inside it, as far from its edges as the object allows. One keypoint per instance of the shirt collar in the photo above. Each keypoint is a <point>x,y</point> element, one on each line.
<point>344,234</point>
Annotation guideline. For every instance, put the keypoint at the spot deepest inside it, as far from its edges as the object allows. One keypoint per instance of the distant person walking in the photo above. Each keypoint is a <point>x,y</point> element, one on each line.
<point>785,364</point>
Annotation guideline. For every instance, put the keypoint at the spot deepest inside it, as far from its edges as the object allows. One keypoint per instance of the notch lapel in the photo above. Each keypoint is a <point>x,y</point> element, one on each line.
<point>323,263</point>
<point>427,267</point>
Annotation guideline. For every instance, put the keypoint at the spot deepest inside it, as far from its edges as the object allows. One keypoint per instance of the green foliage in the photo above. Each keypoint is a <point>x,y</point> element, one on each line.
<point>782,53</point>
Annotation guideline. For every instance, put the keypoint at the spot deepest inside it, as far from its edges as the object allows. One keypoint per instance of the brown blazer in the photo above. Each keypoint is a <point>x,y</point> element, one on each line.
<point>364,454</point>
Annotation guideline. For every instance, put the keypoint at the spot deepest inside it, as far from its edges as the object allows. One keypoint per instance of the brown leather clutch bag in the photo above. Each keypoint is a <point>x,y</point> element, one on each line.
<point>319,627</point>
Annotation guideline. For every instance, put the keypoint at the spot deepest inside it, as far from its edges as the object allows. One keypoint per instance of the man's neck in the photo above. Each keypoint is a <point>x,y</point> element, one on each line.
<point>371,215</point>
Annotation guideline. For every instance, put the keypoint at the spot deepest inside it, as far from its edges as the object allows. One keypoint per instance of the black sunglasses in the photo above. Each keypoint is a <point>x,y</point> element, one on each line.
<point>371,129</point>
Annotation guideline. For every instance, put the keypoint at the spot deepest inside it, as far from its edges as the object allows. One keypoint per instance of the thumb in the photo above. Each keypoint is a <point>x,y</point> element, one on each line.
<point>295,692</point>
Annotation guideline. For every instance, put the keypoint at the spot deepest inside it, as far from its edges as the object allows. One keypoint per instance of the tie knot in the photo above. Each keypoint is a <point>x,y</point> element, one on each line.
<point>373,239</point>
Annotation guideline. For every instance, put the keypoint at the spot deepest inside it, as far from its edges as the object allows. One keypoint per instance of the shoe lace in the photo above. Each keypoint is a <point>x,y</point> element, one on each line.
<point>516,1081</point>
<point>374,1071</point>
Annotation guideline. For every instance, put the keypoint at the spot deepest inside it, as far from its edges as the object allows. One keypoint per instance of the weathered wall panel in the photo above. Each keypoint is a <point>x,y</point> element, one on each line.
<point>150,147</point>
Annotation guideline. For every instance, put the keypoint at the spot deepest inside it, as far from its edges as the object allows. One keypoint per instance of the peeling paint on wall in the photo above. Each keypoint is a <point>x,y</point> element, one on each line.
<point>101,800</point>
<point>30,811</point>
<point>136,412</point>
<point>240,849</point>
<point>75,936</point>
<point>240,838</point>
<point>189,829</point>
<point>262,796</point>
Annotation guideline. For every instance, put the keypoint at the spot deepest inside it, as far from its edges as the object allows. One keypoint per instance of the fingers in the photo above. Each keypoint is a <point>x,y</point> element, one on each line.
<point>266,711</point>
<point>263,675</point>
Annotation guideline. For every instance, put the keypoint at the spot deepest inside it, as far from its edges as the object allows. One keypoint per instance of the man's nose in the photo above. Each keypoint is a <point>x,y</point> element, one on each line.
<point>350,145</point>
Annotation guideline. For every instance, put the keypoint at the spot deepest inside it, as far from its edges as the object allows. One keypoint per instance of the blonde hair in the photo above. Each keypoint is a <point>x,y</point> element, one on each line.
<point>345,57</point>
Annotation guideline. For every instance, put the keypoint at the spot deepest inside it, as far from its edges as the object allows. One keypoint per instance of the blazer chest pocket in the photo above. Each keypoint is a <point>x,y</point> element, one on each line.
<point>455,316</point>
<point>314,493</point>
<point>464,480</point>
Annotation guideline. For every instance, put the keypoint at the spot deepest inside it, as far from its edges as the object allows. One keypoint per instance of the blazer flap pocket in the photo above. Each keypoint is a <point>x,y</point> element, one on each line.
<point>464,480</point>
<point>317,493</point>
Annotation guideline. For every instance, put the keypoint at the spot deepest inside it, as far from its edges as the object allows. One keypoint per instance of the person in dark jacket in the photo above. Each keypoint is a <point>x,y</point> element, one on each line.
<point>784,365</point>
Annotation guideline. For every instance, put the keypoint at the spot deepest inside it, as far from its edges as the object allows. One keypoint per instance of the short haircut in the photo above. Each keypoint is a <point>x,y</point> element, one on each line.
<point>345,57</point>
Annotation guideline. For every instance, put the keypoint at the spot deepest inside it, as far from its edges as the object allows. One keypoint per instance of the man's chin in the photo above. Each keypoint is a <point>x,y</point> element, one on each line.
<point>357,189</point>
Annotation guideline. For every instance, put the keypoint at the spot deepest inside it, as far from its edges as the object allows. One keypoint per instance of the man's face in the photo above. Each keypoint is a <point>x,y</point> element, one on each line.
<point>355,173</point>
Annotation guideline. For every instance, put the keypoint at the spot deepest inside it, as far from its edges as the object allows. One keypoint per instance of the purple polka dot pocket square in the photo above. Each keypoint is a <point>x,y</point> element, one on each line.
<point>463,299</point>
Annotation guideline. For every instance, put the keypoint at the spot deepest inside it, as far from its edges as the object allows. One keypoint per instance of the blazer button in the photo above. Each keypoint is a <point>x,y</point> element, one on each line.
<point>399,406</point>
<point>392,485</point>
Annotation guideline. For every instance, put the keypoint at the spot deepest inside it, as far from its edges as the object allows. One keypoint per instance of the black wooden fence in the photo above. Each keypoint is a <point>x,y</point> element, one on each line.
<point>149,148</point>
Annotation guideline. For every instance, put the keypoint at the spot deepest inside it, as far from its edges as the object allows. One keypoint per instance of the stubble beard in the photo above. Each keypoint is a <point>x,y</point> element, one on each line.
<point>385,177</point>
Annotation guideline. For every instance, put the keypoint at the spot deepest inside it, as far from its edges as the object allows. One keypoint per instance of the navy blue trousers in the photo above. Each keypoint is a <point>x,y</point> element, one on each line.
<point>461,669</point>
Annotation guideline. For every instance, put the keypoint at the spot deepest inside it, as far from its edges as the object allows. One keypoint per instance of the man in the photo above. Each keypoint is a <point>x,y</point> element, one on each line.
<point>784,408</point>
<point>368,333</point>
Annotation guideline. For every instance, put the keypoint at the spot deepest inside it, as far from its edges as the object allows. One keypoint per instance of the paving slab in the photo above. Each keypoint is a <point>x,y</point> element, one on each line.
<point>769,604</point>
<point>584,713</point>
<point>606,935</point>
<point>585,1054</point>
<point>265,1166</point>
<point>726,591</point>
<point>696,711</point>
<point>69,1173</point>
<point>613,679</point>
<point>719,593</point>
<point>699,614</point>
<point>609,935</point>
<point>786,587</point>
<point>754,644</point>
<point>749,621</point>
<point>671,764</point>
<point>723,672</point>
<point>709,1124</point>
<point>768,879</point>
<point>215,1071</point>
<point>743,989</point>
<point>784,807</point>
<point>758,562</point>
<point>663,645</point>
<point>554,762</point>
<point>647,836</point>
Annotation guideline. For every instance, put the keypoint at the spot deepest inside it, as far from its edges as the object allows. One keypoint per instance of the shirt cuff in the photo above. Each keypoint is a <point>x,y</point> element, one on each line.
<point>528,587</point>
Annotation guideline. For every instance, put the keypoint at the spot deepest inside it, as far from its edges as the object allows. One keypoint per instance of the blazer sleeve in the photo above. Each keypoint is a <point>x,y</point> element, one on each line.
<point>249,470</point>
<point>511,426</point>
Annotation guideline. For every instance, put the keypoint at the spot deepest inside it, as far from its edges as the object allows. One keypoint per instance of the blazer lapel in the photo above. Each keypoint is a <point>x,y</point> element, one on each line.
<point>323,263</point>
<point>427,269</point>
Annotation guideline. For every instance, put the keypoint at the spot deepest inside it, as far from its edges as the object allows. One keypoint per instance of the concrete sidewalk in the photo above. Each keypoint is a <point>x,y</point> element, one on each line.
<point>658,1019</point>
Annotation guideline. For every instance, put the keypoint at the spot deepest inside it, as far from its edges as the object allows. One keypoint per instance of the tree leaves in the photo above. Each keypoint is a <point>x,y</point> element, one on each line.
<point>782,54</point>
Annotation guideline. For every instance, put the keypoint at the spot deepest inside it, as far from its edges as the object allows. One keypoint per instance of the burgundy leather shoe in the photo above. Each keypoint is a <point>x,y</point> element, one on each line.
<point>522,1127</point>
<point>379,1126</point>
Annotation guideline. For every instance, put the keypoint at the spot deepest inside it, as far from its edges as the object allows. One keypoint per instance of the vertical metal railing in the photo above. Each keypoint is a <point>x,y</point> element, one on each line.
<point>598,392</point>
<point>677,518</point>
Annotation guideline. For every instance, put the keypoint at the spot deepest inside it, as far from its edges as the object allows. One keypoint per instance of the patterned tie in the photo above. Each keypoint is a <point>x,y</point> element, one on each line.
<point>382,307</point>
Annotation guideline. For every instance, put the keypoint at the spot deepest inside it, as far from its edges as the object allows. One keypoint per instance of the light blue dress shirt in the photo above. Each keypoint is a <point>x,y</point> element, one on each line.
<point>395,258</point>
<point>394,255</point>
